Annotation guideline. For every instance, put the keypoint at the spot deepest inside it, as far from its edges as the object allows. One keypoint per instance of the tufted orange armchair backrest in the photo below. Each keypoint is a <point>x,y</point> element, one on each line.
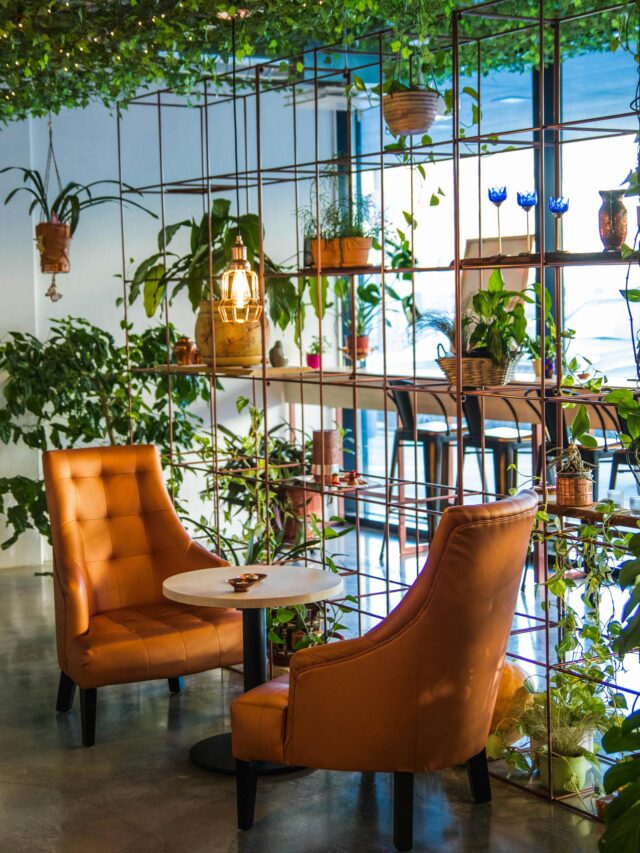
<point>113,526</point>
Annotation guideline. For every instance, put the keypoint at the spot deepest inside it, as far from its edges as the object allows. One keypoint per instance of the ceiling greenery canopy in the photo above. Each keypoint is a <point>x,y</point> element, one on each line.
<point>65,53</point>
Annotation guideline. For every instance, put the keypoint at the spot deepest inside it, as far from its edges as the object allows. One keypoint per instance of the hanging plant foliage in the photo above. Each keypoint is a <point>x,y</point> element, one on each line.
<point>55,55</point>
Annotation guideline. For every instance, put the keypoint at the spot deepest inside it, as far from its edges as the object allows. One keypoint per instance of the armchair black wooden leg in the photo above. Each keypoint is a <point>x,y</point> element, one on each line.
<point>403,811</point>
<point>176,684</point>
<point>88,701</point>
<point>66,693</point>
<point>479,781</point>
<point>246,785</point>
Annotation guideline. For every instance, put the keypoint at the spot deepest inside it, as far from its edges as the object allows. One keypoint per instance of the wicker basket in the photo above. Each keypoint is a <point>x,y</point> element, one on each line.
<point>410,112</point>
<point>478,372</point>
<point>572,490</point>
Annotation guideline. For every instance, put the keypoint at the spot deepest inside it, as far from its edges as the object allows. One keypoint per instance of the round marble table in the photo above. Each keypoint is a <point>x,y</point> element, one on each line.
<point>284,585</point>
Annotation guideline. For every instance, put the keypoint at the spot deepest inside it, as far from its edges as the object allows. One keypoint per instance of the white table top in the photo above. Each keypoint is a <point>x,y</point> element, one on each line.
<point>284,585</point>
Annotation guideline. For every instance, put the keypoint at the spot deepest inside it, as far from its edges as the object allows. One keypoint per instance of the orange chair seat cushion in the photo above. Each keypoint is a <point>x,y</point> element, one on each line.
<point>259,720</point>
<point>154,641</point>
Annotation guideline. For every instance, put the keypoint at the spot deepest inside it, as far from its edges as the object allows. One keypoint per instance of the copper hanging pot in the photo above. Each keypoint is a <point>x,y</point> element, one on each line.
<point>612,220</point>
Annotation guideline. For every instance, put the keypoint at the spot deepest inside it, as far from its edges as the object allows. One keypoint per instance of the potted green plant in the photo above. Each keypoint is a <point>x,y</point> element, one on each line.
<point>60,214</point>
<point>494,334</point>
<point>574,476</point>
<point>211,240</point>
<point>345,235</point>
<point>533,346</point>
<point>576,712</point>
<point>409,105</point>
<point>314,350</point>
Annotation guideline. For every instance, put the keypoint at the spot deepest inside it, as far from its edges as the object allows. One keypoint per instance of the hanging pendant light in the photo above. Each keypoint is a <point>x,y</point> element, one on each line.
<point>240,300</point>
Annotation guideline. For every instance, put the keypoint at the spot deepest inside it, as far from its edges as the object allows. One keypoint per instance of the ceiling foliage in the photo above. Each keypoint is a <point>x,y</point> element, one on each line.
<point>65,53</point>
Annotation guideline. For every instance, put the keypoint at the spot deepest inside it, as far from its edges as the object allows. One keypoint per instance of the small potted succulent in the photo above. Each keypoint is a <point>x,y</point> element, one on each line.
<point>574,476</point>
<point>314,351</point>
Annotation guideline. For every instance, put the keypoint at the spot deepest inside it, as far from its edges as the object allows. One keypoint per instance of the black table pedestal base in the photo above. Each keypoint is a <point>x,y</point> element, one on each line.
<point>215,754</point>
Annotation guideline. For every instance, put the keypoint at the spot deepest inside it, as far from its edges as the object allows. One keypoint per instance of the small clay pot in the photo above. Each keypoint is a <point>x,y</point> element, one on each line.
<point>53,240</point>
<point>313,360</point>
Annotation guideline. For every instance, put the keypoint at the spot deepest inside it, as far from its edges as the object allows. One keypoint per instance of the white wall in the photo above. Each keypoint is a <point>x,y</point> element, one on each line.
<point>86,149</point>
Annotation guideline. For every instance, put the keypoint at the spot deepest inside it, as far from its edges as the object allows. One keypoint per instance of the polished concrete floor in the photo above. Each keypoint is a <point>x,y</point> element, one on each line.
<point>136,790</point>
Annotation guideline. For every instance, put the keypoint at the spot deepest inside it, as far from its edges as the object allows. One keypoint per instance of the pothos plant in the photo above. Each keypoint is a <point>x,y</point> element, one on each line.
<point>72,389</point>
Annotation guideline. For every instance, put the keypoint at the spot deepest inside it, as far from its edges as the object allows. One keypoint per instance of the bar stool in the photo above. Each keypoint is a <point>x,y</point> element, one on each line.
<point>436,438</point>
<point>503,442</point>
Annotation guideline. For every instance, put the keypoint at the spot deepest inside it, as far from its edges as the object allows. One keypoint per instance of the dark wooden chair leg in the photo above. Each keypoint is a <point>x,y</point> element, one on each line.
<point>403,811</point>
<point>88,702</point>
<point>615,465</point>
<point>66,693</point>
<point>176,684</point>
<point>246,785</point>
<point>479,781</point>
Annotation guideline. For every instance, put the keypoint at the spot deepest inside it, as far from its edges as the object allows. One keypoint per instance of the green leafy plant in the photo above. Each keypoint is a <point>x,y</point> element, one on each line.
<point>70,201</point>
<point>497,321</point>
<point>622,815</point>
<point>72,390</point>
<point>534,345</point>
<point>317,346</point>
<point>210,241</point>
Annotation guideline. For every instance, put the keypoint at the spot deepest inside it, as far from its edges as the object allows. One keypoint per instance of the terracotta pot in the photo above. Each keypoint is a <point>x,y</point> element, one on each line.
<point>305,503</point>
<point>362,347</point>
<point>573,491</point>
<point>612,220</point>
<point>354,251</point>
<point>185,351</point>
<point>325,251</point>
<point>54,245</point>
<point>410,112</point>
<point>342,252</point>
<point>313,360</point>
<point>236,344</point>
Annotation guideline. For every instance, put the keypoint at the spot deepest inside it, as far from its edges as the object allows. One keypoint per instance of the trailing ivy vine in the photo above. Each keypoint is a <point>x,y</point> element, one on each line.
<point>56,54</point>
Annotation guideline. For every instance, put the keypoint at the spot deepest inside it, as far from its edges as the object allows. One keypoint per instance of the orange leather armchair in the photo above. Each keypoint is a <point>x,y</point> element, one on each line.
<point>417,692</point>
<point>116,537</point>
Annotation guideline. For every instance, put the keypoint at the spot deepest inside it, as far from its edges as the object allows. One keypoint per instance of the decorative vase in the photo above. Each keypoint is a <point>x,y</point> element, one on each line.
<point>185,351</point>
<point>568,772</point>
<point>411,111</point>
<point>277,356</point>
<point>236,344</point>
<point>313,360</point>
<point>612,220</point>
<point>549,367</point>
<point>537,367</point>
<point>574,490</point>
<point>54,244</point>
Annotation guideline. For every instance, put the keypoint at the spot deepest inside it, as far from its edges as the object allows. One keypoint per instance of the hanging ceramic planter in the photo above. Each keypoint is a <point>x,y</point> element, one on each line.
<point>410,111</point>
<point>53,241</point>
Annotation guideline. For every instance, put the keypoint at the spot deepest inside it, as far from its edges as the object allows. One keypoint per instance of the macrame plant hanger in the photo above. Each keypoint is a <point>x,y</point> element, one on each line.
<point>52,291</point>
